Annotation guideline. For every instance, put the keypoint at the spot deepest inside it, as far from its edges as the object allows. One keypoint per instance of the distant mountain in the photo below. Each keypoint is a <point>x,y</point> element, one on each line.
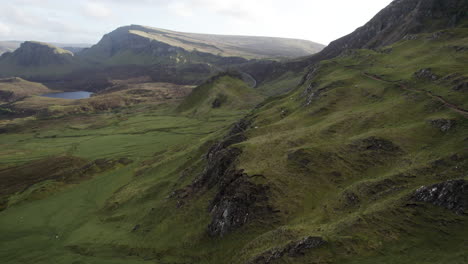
<point>142,39</point>
<point>35,58</point>
<point>139,51</point>
<point>10,46</point>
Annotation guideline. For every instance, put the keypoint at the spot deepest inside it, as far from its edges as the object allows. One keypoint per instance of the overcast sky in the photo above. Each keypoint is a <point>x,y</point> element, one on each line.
<point>85,21</point>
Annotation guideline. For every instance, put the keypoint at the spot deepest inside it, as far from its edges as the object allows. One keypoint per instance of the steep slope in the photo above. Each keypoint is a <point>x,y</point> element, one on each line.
<point>363,162</point>
<point>36,58</point>
<point>9,46</point>
<point>155,41</point>
<point>400,19</point>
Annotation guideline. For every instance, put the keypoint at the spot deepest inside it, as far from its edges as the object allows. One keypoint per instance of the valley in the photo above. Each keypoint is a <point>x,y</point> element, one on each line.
<point>195,148</point>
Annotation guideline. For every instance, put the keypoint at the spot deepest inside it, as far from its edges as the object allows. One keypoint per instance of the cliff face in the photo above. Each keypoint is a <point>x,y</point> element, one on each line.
<point>393,23</point>
<point>400,18</point>
<point>37,54</point>
<point>123,39</point>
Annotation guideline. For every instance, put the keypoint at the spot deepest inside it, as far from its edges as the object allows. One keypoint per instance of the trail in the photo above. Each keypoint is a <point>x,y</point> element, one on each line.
<point>428,93</point>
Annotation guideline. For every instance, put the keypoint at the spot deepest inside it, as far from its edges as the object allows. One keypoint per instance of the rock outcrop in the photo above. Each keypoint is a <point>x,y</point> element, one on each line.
<point>426,74</point>
<point>452,195</point>
<point>292,249</point>
<point>443,124</point>
<point>237,199</point>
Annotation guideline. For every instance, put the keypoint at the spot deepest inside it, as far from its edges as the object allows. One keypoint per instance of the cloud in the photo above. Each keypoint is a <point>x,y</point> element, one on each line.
<point>97,10</point>
<point>181,9</point>
<point>4,30</point>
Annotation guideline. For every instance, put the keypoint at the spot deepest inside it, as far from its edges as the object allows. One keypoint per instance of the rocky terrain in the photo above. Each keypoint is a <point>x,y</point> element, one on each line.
<point>354,155</point>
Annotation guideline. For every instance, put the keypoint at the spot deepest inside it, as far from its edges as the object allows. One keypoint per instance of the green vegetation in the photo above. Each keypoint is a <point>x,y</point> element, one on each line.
<point>12,89</point>
<point>340,155</point>
<point>222,93</point>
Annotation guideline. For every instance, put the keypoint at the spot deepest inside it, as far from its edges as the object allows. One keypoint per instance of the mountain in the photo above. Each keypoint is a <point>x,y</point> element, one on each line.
<point>148,40</point>
<point>36,58</point>
<point>360,158</point>
<point>10,46</point>
<point>138,51</point>
<point>402,18</point>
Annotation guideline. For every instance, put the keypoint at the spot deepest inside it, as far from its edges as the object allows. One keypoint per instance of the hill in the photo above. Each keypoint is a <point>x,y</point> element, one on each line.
<point>36,58</point>
<point>225,92</point>
<point>144,52</point>
<point>10,46</point>
<point>13,89</point>
<point>364,160</point>
<point>139,38</point>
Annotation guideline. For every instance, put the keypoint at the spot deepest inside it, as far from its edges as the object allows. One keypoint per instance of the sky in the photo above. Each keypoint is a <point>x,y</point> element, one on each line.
<point>86,21</point>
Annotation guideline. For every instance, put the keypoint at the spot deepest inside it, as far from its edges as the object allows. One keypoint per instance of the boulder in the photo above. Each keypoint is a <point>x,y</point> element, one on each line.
<point>452,195</point>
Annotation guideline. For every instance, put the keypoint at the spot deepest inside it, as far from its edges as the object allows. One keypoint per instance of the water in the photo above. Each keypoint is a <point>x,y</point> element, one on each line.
<point>69,95</point>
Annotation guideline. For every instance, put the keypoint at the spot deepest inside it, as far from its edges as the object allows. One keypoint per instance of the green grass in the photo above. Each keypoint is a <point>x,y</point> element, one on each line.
<point>311,156</point>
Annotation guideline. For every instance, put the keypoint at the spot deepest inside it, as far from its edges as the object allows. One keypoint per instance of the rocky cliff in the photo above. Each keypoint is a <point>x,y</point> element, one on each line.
<point>402,18</point>
<point>37,54</point>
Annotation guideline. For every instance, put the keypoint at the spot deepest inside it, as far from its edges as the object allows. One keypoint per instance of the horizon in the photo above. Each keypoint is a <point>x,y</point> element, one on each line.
<point>85,22</point>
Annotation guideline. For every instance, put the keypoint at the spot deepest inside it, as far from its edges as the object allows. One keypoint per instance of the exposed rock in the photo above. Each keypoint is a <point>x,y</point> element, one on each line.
<point>237,202</point>
<point>311,92</point>
<point>462,87</point>
<point>293,249</point>
<point>216,103</point>
<point>460,48</point>
<point>376,144</point>
<point>350,198</point>
<point>237,199</point>
<point>399,19</point>
<point>443,124</point>
<point>452,195</point>
<point>136,228</point>
<point>426,74</point>
<point>437,35</point>
<point>410,37</point>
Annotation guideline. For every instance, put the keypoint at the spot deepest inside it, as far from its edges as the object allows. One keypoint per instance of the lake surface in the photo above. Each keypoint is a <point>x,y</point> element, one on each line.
<point>69,95</point>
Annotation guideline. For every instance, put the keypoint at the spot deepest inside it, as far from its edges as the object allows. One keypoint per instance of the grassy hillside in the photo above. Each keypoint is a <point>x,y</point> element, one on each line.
<point>12,89</point>
<point>225,92</point>
<point>326,173</point>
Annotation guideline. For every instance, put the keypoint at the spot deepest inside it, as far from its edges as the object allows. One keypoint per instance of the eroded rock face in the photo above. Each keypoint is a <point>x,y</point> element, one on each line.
<point>376,144</point>
<point>443,124</point>
<point>452,195</point>
<point>237,202</point>
<point>426,74</point>
<point>293,249</point>
<point>36,54</point>
<point>237,199</point>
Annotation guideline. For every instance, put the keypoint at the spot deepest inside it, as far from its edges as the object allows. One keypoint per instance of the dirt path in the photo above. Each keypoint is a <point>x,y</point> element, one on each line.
<point>428,93</point>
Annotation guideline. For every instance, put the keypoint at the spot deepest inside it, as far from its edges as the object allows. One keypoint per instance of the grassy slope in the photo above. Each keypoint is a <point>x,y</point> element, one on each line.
<point>94,220</point>
<point>18,88</point>
<point>312,197</point>
<point>232,93</point>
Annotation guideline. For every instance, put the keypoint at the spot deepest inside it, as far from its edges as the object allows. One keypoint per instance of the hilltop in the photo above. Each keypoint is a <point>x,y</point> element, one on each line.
<point>35,58</point>
<point>138,37</point>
